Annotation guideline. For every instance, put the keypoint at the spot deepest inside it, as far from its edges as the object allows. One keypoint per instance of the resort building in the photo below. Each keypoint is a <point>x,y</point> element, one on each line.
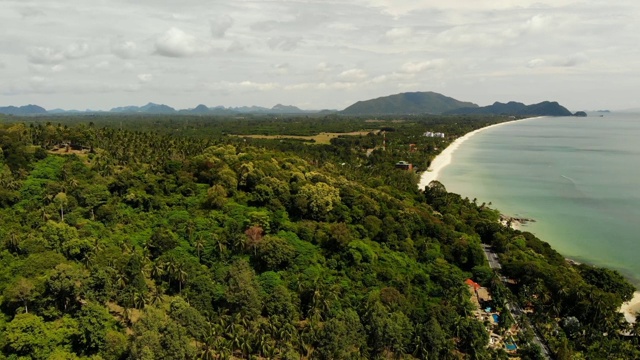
<point>483,295</point>
<point>404,165</point>
<point>433,134</point>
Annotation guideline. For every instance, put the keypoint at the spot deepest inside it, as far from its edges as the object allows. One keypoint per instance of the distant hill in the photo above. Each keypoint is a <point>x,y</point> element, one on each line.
<point>398,104</point>
<point>407,103</point>
<point>200,109</point>
<point>545,108</point>
<point>23,110</point>
<point>286,109</point>
<point>150,108</point>
<point>277,109</point>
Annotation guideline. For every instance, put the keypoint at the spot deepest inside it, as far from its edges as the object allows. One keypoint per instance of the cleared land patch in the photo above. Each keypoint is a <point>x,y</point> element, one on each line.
<point>322,138</point>
<point>384,121</point>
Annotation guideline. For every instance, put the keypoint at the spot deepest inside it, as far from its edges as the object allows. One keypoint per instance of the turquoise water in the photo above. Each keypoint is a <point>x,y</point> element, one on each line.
<point>579,178</point>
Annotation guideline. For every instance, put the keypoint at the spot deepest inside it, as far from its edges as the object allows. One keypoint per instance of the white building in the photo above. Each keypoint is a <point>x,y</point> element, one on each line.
<point>433,135</point>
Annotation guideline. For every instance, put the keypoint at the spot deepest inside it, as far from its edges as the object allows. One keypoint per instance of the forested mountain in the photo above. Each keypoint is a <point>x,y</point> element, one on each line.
<point>23,110</point>
<point>411,103</point>
<point>157,238</point>
<point>406,104</point>
<point>545,108</point>
<point>159,109</point>
<point>150,108</point>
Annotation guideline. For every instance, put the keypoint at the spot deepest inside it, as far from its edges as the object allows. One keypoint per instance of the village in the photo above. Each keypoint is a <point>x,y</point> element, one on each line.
<point>487,312</point>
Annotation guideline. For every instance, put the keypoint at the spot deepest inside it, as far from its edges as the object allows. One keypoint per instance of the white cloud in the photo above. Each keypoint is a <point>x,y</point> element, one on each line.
<point>241,86</point>
<point>323,67</point>
<point>418,67</point>
<point>45,55</point>
<point>468,36</point>
<point>281,69</point>
<point>177,43</point>
<point>342,26</point>
<point>399,33</point>
<point>284,43</point>
<point>145,78</point>
<point>258,86</point>
<point>220,25</point>
<point>573,60</point>
<point>124,49</point>
<point>49,55</point>
<point>76,50</point>
<point>388,45</point>
<point>353,75</point>
<point>534,63</point>
<point>394,77</point>
<point>339,85</point>
<point>298,87</point>
<point>538,23</point>
<point>567,61</point>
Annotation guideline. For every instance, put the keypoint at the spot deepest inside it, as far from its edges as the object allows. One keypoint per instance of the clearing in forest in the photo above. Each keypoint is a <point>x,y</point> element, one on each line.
<point>322,138</point>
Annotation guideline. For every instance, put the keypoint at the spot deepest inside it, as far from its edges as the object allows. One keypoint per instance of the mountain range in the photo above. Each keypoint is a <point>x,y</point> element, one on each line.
<point>547,108</point>
<point>410,103</point>
<point>159,109</point>
<point>23,110</point>
<point>201,109</point>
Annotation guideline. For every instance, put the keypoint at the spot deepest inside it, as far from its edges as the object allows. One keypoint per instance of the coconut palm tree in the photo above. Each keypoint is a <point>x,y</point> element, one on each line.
<point>181,276</point>
<point>13,243</point>
<point>139,300</point>
<point>61,200</point>
<point>199,246</point>
<point>157,269</point>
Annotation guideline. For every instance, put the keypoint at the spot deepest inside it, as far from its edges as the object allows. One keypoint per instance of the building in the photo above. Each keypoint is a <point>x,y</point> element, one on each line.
<point>483,295</point>
<point>473,285</point>
<point>404,165</point>
<point>478,292</point>
<point>433,134</point>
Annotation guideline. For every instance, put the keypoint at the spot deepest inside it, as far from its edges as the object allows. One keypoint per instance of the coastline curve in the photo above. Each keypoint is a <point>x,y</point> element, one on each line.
<point>443,159</point>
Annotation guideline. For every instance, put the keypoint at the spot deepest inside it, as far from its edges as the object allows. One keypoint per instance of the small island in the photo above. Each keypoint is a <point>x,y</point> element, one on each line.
<point>580,114</point>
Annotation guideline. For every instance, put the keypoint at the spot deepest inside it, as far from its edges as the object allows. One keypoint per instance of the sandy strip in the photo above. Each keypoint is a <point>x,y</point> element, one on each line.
<point>444,158</point>
<point>629,309</point>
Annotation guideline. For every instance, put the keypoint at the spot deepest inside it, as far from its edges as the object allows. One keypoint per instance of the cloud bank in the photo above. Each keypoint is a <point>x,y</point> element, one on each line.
<point>317,54</point>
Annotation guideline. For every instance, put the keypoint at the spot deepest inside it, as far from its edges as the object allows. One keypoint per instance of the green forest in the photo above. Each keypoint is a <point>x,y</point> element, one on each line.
<point>160,237</point>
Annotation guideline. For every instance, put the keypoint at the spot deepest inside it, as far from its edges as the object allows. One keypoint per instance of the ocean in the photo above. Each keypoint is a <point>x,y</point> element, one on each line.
<point>578,178</point>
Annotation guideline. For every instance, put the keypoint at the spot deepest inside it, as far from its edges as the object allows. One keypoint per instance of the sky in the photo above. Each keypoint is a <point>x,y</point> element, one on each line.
<point>326,54</point>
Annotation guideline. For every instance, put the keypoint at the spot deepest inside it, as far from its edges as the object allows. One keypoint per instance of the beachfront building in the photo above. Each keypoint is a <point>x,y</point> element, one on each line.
<point>404,165</point>
<point>433,134</point>
<point>483,295</point>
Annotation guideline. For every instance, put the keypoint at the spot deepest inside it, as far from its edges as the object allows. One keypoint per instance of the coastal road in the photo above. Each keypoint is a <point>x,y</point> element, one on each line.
<point>492,257</point>
<point>514,308</point>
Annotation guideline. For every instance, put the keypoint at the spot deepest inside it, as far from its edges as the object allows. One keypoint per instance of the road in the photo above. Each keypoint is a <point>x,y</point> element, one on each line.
<point>492,257</point>
<point>514,308</point>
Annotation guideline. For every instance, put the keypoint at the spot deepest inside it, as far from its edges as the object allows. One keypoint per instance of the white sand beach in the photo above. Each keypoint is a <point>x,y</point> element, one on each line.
<point>629,309</point>
<point>444,158</point>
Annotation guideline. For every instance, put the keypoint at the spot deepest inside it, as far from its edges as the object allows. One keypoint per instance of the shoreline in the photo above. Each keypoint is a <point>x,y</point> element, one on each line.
<point>443,159</point>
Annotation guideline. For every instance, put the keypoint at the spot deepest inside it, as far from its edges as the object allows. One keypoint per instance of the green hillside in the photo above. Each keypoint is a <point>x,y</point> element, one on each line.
<point>407,103</point>
<point>157,238</point>
<point>545,108</point>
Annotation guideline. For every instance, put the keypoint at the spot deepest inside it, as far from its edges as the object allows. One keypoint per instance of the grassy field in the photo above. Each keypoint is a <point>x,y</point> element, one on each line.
<point>322,138</point>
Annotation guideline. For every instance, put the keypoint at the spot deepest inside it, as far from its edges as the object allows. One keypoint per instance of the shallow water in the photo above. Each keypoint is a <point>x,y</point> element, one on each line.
<point>579,178</point>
